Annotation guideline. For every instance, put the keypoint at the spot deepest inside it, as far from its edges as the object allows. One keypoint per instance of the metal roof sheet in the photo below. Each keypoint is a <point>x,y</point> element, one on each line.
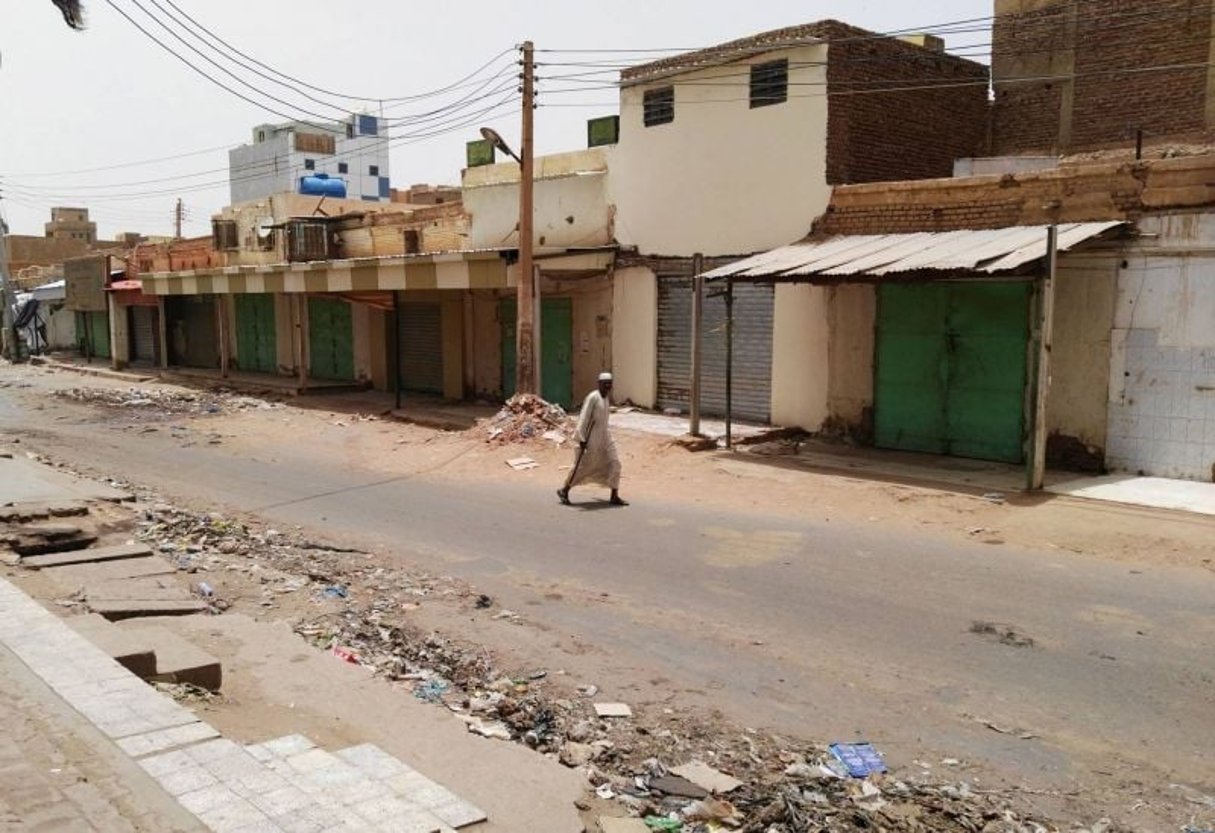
<point>989,251</point>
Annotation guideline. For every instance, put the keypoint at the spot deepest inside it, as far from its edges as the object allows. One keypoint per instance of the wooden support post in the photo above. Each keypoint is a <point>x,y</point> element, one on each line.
<point>1046,321</point>
<point>225,350</point>
<point>698,285</point>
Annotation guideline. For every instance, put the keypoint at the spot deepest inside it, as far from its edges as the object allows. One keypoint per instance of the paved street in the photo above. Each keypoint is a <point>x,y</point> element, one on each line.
<point>1051,669</point>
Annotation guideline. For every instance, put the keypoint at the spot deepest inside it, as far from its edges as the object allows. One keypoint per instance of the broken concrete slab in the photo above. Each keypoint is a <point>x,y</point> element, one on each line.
<point>161,588</point>
<point>613,710</point>
<point>48,538</point>
<point>177,660</point>
<point>133,608</point>
<point>23,512</point>
<point>128,649</point>
<point>116,553</point>
<point>23,480</point>
<point>125,568</point>
<point>705,776</point>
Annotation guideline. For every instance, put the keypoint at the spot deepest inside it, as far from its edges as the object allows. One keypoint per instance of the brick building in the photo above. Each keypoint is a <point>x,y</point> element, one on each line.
<point>1081,75</point>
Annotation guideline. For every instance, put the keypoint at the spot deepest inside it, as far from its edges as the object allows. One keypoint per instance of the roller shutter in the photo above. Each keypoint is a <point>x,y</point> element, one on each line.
<point>752,350</point>
<point>421,347</point>
<point>143,334</point>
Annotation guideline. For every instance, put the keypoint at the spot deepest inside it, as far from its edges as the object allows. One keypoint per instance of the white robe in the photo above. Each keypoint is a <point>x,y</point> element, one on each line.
<point>600,462</point>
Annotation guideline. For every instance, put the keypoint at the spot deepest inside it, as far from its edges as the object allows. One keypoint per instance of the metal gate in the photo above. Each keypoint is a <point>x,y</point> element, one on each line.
<point>421,359</point>
<point>951,369</point>
<point>256,344</point>
<point>143,334</point>
<point>752,389</point>
<point>556,349</point>
<point>330,339</point>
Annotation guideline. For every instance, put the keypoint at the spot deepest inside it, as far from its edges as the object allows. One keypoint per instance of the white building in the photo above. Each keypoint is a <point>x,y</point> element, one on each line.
<point>354,151</point>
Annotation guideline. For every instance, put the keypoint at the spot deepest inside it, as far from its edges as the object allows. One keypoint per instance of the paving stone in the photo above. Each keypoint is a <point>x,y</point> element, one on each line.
<point>372,760</point>
<point>232,815</point>
<point>208,798</point>
<point>146,744</point>
<point>187,780</point>
<point>283,801</point>
<point>287,745</point>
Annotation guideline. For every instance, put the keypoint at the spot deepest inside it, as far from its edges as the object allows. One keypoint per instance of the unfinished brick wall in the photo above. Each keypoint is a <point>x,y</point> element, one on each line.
<point>1111,191</point>
<point>1099,60</point>
<point>905,131</point>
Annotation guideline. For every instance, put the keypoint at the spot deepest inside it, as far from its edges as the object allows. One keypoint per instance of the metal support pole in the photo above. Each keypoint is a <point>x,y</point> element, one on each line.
<point>1037,468</point>
<point>729,363</point>
<point>525,349</point>
<point>698,285</point>
<point>396,347</point>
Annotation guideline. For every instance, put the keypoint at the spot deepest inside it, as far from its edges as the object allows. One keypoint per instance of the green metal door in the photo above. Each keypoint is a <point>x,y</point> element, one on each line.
<point>951,369</point>
<point>330,339</point>
<point>255,333</point>
<point>93,333</point>
<point>556,349</point>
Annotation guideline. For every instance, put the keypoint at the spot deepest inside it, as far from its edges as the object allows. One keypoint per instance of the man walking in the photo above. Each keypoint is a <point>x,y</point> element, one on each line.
<point>596,460</point>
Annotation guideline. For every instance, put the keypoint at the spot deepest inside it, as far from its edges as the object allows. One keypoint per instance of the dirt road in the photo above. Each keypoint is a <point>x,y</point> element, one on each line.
<point>1057,646</point>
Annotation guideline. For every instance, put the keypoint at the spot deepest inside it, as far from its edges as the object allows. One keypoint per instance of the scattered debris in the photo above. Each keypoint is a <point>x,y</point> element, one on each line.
<point>994,497</point>
<point>613,710</point>
<point>705,776</point>
<point>522,463</point>
<point>166,400</point>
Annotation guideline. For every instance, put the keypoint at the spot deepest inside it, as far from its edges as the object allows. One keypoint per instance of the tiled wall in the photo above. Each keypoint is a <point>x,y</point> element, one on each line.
<point>1163,421</point>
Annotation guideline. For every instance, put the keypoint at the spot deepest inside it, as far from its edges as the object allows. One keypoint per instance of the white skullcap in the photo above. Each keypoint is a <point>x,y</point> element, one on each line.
<point>605,376</point>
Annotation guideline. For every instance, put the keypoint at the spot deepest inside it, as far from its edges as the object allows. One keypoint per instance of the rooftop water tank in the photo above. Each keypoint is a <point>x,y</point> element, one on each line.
<point>322,185</point>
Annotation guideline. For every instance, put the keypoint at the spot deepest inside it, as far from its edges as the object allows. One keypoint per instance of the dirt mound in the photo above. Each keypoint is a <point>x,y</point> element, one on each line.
<point>525,417</point>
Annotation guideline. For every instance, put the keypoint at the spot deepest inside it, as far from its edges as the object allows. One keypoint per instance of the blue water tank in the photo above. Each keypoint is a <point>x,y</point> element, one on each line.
<point>322,185</point>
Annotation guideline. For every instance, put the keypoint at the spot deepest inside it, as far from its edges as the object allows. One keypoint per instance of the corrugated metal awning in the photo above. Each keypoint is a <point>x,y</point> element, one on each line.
<point>870,257</point>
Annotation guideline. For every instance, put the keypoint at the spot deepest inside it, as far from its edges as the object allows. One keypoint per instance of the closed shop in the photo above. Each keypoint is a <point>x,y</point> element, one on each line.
<point>330,339</point>
<point>556,349</point>
<point>421,359</point>
<point>144,335</point>
<point>752,382</point>
<point>93,334</point>
<point>256,346</point>
<point>192,331</point>
<point>951,368</point>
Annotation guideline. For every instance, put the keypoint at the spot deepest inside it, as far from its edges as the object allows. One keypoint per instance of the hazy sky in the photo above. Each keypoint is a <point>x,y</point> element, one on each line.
<point>73,102</point>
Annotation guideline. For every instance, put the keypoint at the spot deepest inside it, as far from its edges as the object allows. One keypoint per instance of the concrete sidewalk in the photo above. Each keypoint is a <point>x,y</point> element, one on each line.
<point>23,480</point>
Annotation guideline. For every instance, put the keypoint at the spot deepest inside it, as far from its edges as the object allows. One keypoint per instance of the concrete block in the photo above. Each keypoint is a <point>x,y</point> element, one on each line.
<point>49,538</point>
<point>59,559</point>
<point>151,743</point>
<point>178,661</point>
<point>126,648</point>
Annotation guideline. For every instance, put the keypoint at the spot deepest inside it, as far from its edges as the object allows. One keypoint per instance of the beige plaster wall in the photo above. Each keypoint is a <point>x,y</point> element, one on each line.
<point>591,302</point>
<point>800,365</point>
<point>851,315</point>
<point>120,334</point>
<point>487,344</point>
<point>284,335</point>
<point>1085,294</point>
<point>360,324</point>
<point>635,336</point>
<point>379,358</point>
<point>691,185</point>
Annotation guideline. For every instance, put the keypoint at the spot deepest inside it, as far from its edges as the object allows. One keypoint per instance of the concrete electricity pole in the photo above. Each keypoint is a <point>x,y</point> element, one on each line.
<point>177,217</point>
<point>525,342</point>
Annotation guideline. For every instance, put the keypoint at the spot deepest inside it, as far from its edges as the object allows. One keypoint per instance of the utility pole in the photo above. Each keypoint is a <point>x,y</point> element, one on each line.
<point>177,217</point>
<point>525,345</point>
<point>8,338</point>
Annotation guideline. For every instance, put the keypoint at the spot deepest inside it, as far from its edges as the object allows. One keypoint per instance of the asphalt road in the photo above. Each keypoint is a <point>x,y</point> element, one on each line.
<point>822,630</point>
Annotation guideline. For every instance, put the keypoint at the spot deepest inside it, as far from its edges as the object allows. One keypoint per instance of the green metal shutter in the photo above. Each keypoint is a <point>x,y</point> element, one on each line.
<point>556,349</point>
<point>951,369</point>
<point>256,341</point>
<point>330,339</point>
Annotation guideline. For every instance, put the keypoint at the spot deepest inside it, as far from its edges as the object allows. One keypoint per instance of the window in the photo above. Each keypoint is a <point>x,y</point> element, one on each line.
<point>413,241</point>
<point>373,170</point>
<point>769,83</point>
<point>343,168</point>
<point>224,236</point>
<point>369,126</point>
<point>659,106</point>
<point>309,164</point>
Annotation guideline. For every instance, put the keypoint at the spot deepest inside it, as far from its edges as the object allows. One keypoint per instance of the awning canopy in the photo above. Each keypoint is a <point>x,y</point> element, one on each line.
<point>872,257</point>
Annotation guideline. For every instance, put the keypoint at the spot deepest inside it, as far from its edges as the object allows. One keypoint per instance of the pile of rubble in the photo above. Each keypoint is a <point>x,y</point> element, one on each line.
<point>162,400</point>
<point>758,783</point>
<point>526,416</point>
